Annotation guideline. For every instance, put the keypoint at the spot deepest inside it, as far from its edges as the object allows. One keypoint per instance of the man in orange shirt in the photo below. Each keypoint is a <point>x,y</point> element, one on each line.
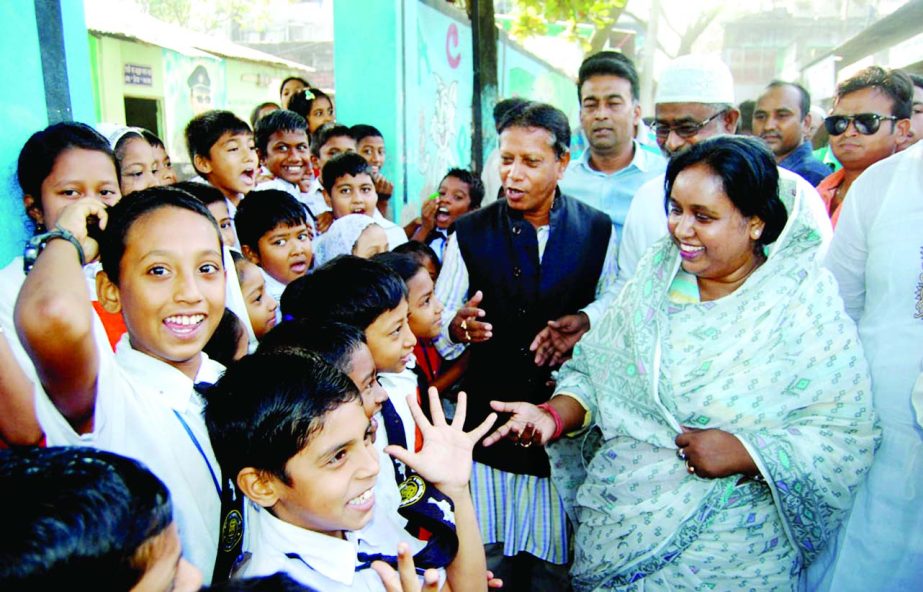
<point>870,121</point>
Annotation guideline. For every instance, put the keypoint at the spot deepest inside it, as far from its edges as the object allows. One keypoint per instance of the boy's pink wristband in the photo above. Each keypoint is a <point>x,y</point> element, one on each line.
<point>558,422</point>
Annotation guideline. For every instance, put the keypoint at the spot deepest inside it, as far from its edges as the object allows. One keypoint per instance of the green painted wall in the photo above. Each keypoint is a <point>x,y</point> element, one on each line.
<point>367,62</point>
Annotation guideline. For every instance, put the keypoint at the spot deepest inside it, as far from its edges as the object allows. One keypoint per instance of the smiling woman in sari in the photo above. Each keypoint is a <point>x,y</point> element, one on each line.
<point>718,418</point>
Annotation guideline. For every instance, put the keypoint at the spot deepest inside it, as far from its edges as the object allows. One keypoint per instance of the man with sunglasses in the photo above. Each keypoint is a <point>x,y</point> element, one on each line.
<point>870,121</point>
<point>694,102</point>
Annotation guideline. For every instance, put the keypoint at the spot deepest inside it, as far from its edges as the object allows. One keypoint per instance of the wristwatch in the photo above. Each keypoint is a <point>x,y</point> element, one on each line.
<point>37,243</point>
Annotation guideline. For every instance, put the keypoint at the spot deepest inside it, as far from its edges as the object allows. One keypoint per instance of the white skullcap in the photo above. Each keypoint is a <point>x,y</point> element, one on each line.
<point>696,79</point>
<point>114,132</point>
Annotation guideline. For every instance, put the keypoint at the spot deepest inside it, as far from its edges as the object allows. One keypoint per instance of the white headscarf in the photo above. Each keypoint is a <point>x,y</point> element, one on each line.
<point>340,238</point>
<point>115,132</point>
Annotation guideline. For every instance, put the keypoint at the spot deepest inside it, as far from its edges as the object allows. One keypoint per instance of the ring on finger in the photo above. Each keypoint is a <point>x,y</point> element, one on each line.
<point>681,454</point>
<point>690,468</point>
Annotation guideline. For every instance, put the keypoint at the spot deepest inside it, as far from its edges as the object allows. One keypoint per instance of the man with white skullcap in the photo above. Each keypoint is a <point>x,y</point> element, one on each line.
<point>694,102</point>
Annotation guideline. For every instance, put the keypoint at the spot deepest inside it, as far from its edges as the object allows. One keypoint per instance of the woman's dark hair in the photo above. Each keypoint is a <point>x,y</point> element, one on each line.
<point>222,346</point>
<point>421,252</point>
<point>542,116</point>
<point>475,186</point>
<point>748,173</point>
<point>42,149</point>
<point>78,518</point>
<point>124,214</point>
<point>267,406</point>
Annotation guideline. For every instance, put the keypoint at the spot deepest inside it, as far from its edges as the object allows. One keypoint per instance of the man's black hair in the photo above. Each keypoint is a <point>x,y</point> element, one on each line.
<point>403,265</point>
<point>267,406</point>
<point>205,129</point>
<point>894,83</point>
<point>345,163</point>
<point>505,106</point>
<point>123,215</point>
<point>281,120</point>
<point>346,289</point>
<point>608,63</point>
<point>264,210</point>
<point>77,518</point>
<point>543,116</point>
<point>152,139</point>
<point>804,100</point>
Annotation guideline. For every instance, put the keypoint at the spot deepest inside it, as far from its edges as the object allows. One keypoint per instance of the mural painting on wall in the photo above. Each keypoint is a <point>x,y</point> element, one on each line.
<point>192,86</point>
<point>443,98</point>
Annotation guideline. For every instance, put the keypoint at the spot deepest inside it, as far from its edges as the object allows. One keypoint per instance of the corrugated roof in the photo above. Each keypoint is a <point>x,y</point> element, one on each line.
<point>126,21</point>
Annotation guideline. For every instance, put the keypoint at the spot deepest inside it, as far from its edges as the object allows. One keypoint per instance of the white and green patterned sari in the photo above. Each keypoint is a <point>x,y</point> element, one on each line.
<point>777,363</point>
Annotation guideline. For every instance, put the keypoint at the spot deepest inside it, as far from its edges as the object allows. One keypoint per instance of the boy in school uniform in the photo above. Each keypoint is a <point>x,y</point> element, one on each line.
<point>292,431</point>
<point>327,141</point>
<point>349,189</point>
<point>284,149</point>
<point>222,152</point>
<point>57,539</point>
<point>162,269</point>
<point>273,232</point>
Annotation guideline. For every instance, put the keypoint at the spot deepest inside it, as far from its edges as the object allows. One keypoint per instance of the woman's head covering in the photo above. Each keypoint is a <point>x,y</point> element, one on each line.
<point>341,237</point>
<point>115,132</point>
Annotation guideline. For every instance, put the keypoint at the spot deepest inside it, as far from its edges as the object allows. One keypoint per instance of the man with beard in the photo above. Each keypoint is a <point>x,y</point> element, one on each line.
<point>609,172</point>
<point>870,121</point>
<point>782,119</point>
<point>694,101</point>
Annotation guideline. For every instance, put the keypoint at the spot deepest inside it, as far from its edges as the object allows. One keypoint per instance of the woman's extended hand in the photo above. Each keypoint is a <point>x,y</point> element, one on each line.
<point>528,425</point>
<point>714,453</point>
<point>445,459</point>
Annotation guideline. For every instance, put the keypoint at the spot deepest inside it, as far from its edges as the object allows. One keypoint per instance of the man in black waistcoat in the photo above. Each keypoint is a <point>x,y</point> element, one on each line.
<point>536,269</point>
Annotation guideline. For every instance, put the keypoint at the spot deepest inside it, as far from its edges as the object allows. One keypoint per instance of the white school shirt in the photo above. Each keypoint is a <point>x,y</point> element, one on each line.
<point>306,199</point>
<point>274,288</point>
<point>398,385</point>
<point>58,432</point>
<point>137,399</point>
<point>317,560</point>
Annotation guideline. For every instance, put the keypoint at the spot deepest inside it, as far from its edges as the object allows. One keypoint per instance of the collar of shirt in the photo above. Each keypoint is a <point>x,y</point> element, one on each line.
<point>174,387</point>
<point>331,557</point>
<point>274,287</point>
<point>643,159</point>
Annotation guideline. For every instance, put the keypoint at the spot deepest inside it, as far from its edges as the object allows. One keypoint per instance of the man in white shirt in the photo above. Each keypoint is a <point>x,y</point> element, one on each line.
<point>694,102</point>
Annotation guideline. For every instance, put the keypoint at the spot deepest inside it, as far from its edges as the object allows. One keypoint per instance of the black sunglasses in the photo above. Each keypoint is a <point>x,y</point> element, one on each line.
<point>865,123</point>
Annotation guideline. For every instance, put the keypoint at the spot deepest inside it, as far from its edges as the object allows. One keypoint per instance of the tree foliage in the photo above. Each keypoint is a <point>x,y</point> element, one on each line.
<point>208,15</point>
<point>534,16</point>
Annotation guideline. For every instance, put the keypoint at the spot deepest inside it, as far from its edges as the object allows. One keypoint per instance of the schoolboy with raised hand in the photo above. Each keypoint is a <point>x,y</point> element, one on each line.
<point>293,432</point>
<point>162,269</point>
